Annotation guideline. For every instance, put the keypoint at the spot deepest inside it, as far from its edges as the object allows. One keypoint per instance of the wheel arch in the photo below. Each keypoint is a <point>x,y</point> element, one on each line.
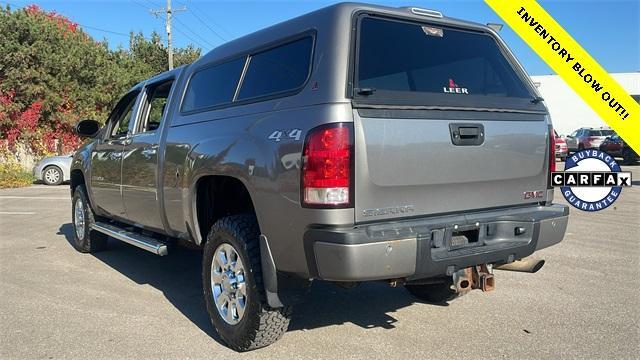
<point>217,196</point>
<point>77,179</point>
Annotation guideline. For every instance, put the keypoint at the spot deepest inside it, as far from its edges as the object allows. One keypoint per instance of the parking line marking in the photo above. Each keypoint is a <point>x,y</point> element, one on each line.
<point>17,213</point>
<point>34,197</point>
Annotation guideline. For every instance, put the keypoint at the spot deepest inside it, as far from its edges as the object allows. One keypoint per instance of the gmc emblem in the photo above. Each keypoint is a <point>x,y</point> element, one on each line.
<point>533,194</point>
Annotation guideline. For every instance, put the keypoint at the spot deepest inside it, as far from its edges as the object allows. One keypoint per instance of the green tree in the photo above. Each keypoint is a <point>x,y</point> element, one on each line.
<point>52,74</point>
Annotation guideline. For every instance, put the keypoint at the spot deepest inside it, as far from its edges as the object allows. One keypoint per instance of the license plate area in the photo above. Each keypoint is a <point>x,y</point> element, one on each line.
<point>461,240</point>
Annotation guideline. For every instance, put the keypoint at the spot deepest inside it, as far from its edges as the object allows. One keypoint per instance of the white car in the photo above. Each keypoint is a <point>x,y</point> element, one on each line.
<point>53,170</point>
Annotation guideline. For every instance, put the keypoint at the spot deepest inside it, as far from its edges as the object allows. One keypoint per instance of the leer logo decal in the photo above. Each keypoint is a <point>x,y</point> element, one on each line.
<point>455,88</point>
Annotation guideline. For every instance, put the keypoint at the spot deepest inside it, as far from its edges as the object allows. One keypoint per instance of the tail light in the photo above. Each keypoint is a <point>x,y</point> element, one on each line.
<point>327,167</point>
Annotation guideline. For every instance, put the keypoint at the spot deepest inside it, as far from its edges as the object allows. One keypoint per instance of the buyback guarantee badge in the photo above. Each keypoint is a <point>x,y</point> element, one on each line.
<point>591,181</point>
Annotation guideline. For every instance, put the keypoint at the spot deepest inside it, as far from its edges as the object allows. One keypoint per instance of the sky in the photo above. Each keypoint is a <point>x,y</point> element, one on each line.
<point>608,30</point>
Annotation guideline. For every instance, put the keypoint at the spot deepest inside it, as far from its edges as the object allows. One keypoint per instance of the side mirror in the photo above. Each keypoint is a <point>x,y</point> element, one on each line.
<point>88,128</point>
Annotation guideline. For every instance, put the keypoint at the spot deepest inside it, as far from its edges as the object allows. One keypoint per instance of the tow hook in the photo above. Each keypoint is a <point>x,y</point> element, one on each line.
<point>475,277</point>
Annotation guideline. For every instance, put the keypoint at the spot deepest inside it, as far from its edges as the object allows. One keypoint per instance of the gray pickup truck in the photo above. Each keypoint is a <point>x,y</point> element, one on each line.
<point>355,143</point>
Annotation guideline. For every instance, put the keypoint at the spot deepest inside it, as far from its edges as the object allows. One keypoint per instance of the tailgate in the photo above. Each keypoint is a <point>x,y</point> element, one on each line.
<point>411,167</point>
<point>445,121</point>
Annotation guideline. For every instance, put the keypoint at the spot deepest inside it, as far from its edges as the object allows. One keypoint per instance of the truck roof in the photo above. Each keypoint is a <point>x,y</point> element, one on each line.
<point>330,19</point>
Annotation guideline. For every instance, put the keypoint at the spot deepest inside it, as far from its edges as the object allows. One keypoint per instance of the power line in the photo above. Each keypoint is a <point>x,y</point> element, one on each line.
<point>195,14</point>
<point>168,13</point>
<point>82,25</point>
<point>103,30</point>
<point>140,4</point>
<point>184,25</point>
<point>190,38</point>
<point>206,16</point>
<point>193,32</point>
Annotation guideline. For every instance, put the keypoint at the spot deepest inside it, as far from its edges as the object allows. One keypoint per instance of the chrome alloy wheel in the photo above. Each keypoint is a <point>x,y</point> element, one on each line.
<point>228,284</point>
<point>52,175</point>
<point>78,218</point>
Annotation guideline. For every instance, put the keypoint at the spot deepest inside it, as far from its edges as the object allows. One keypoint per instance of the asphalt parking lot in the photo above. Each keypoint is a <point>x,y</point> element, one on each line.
<point>127,303</point>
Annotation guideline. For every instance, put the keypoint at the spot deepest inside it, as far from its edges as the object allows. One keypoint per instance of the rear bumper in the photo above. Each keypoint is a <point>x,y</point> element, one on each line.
<point>424,248</point>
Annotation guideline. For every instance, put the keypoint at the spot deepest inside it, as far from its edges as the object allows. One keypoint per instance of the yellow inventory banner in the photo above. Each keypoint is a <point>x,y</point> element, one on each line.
<point>567,58</point>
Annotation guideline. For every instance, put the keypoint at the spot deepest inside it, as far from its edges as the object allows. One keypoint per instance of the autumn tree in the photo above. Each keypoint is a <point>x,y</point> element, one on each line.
<point>53,74</point>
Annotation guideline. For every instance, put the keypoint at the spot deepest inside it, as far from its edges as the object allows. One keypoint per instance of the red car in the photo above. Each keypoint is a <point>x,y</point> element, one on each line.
<point>562,150</point>
<point>587,138</point>
<point>615,146</point>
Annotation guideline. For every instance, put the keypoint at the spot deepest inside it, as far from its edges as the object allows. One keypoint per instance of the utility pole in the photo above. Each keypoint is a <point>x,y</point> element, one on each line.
<point>169,12</point>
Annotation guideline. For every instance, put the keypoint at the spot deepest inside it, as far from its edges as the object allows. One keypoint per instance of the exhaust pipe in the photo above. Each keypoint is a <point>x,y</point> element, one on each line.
<point>528,265</point>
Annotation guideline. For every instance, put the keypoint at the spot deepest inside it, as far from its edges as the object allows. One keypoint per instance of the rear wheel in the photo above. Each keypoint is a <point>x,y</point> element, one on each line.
<point>85,239</point>
<point>52,175</point>
<point>438,293</point>
<point>233,288</point>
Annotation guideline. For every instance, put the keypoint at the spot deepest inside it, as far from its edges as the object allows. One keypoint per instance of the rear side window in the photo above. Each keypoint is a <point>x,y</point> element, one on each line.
<point>408,57</point>
<point>600,133</point>
<point>281,69</point>
<point>213,86</point>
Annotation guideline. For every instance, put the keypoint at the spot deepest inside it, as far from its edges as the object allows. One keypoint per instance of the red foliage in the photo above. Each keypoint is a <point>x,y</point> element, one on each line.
<point>27,124</point>
<point>29,118</point>
<point>6,99</point>
<point>62,22</point>
<point>23,127</point>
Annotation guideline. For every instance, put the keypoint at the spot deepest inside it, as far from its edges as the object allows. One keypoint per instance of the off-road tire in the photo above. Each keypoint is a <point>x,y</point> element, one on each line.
<point>91,240</point>
<point>57,180</point>
<point>439,293</point>
<point>260,325</point>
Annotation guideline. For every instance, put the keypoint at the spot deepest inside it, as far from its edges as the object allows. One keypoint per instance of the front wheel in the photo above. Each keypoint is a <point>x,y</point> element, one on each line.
<point>233,288</point>
<point>85,239</point>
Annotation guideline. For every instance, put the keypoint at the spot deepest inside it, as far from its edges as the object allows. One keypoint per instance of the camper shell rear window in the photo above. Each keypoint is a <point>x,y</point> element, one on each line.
<point>401,62</point>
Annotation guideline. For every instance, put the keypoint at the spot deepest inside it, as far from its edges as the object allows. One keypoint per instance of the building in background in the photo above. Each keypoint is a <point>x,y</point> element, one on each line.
<point>568,111</point>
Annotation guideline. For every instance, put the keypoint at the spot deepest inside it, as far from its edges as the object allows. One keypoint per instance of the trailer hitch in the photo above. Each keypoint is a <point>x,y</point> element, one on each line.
<point>474,277</point>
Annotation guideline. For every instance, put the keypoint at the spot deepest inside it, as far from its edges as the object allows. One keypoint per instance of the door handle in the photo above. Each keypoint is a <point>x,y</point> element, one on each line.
<point>125,141</point>
<point>466,134</point>
<point>148,152</point>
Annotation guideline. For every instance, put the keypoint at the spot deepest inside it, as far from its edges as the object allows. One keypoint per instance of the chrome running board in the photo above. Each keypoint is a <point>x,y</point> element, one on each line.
<point>135,239</point>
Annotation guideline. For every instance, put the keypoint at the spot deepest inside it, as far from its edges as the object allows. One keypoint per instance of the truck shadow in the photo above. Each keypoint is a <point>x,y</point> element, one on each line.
<point>178,276</point>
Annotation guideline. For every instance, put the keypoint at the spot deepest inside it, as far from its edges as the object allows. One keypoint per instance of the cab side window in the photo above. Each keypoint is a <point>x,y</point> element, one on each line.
<point>155,106</point>
<point>121,116</point>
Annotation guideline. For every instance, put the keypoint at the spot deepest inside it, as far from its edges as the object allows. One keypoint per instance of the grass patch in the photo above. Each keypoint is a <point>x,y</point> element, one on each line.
<point>12,175</point>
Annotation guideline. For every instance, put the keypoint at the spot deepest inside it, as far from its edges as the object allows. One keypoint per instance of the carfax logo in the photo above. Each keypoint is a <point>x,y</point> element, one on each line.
<point>591,181</point>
